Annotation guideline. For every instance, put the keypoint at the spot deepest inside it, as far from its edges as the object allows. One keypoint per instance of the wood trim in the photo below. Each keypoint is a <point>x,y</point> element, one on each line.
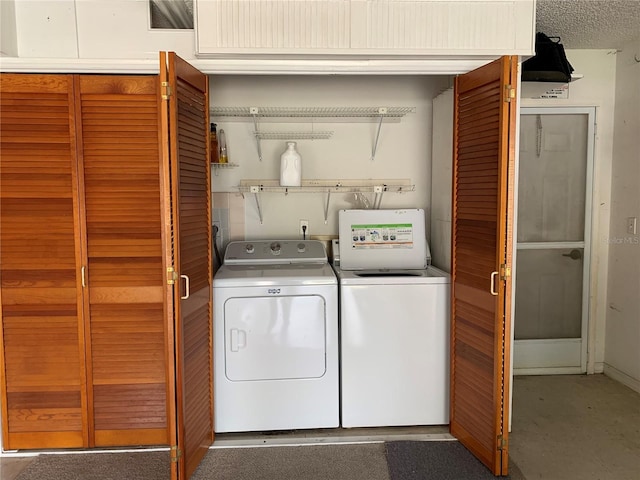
<point>150,436</point>
<point>25,441</point>
<point>80,215</point>
<point>511,74</point>
<point>171,309</point>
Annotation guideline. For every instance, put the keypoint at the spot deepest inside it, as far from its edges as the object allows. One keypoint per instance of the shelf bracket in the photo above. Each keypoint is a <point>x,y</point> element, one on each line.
<point>381,111</point>
<point>326,207</point>
<point>378,190</point>
<point>254,113</point>
<point>255,189</point>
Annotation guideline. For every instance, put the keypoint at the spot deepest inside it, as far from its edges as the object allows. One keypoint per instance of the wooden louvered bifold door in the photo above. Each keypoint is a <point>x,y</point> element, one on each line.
<point>186,121</point>
<point>126,331</point>
<point>484,130</point>
<point>44,403</point>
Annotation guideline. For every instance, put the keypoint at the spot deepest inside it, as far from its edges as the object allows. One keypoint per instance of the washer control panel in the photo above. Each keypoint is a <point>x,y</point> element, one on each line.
<point>275,251</point>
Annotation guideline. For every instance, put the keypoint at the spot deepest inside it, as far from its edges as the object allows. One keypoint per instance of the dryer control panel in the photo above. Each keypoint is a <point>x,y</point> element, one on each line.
<point>264,252</point>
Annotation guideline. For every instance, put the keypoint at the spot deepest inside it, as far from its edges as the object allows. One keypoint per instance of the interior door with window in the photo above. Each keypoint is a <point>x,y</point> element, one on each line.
<point>552,264</point>
<point>187,207</point>
<point>483,164</point>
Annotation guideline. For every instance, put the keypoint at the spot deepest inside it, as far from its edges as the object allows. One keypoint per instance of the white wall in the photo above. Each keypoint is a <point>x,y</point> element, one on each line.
<point>441,180</point>
<point>622,352</point>
<point>404,148</point>
<point>597,88</point>
<point>94,29</point>
<point>8,36</point>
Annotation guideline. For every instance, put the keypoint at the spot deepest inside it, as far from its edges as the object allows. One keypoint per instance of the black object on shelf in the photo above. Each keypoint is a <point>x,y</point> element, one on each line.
<point>550,62</point>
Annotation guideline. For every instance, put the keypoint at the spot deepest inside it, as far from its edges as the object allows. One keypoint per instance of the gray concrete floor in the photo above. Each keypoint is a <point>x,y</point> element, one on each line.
<point>568,427</point>
<point>565,427</point>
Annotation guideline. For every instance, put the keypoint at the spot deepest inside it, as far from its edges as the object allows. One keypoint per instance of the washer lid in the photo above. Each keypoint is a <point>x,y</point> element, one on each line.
<point>428,276</point>
<point>372,239</point>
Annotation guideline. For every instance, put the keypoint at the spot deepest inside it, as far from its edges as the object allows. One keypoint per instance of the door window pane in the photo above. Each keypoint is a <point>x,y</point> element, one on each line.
<point>549,294</point>
<point>552,178</point>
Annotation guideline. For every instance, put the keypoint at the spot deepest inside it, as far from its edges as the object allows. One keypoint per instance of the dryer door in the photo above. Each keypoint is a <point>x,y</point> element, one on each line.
<point>274,338</point>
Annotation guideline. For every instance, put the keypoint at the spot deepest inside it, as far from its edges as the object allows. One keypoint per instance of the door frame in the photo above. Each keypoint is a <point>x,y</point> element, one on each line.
<point>560,350</point>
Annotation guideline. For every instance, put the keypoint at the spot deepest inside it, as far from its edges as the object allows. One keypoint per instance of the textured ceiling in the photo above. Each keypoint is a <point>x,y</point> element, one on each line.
<point>589,23</point>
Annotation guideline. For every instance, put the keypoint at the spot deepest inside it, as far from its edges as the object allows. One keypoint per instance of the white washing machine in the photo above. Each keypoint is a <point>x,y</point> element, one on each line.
<point>275,338</point>
<point>394,321</point>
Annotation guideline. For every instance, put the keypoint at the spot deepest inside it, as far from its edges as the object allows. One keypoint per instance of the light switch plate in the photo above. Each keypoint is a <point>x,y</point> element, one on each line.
<point>632,225</point>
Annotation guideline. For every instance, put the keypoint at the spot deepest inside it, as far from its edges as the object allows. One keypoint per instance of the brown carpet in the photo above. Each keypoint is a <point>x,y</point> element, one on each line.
<point>316,462</point>
<point>406,460</point>
<point>438,461</point>
<point>99,466</point>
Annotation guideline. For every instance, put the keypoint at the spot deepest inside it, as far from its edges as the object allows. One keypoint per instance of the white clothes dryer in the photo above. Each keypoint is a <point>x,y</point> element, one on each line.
<point>394,321</point>
<point>275,338</point>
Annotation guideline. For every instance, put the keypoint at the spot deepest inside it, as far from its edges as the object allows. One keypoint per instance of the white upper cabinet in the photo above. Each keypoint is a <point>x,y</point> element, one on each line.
<point>369,28</point>
<point>268,36</point>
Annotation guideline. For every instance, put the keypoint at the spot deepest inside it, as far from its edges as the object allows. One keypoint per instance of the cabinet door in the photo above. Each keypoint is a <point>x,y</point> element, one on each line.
<point>483,172</point>
<point>188,175</point>
<point>372,28</point>
<point>44,403</point>
<point>118,118</point>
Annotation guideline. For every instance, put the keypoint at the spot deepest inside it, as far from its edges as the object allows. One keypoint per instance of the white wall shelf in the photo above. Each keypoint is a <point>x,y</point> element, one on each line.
<point>313,114</point>
<point>223,166</point>
<point>325,135</point>
<point>377,186</point>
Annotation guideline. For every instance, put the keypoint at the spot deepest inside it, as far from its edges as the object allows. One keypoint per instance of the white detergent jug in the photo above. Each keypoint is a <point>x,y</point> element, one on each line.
<point>290,167</point>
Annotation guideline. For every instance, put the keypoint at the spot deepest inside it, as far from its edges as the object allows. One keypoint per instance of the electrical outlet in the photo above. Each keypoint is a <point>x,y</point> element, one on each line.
<point>305,231</point>
<point>632,225</point>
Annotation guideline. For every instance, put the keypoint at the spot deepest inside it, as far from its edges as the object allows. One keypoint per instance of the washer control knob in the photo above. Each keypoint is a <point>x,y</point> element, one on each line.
<point>301,248</point>
<point>275,248</point>
<point>249,248</point>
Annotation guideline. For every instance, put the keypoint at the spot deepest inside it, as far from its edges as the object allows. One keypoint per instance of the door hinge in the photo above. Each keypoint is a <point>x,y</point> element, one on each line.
<point>505,271</point>
<point>176,454</point>
<point>510,93</point>
<point>171,276</point>
<point>166,90</point>
<point>502,443</point>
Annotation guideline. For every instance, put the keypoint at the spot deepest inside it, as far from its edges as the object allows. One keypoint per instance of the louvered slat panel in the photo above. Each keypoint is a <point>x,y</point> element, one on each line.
<point>197,376</point>
<point>194,233</point>
<point>479,243</point>
<point>121,165</point>
<point>43,363</point>
<point>188,121</point>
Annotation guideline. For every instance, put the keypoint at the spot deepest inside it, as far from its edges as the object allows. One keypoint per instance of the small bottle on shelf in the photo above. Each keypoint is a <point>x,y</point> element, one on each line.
<point>213,145</point>
<point>223,147</point>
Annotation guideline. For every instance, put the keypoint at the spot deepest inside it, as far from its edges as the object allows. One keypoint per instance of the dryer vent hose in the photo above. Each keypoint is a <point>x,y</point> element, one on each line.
<point>215,245</point>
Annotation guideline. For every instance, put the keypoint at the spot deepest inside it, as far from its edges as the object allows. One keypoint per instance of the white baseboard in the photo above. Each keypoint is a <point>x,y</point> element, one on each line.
<point>617,375</point>
<point>548,371</point>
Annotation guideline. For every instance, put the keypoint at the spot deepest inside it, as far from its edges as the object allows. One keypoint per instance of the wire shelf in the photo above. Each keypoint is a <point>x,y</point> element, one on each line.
<point>293,135</point>
<point>328,186</point>
<point>311,112</point>
<point>224,165</point>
